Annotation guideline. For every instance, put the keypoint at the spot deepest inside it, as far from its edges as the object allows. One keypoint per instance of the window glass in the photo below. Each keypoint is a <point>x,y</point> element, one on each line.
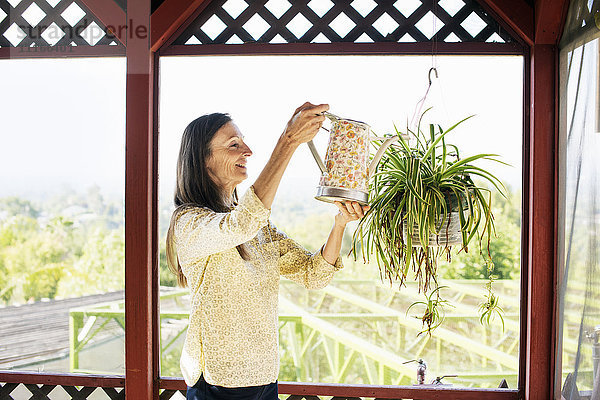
<point>62,168</point>
<point>357,329</point>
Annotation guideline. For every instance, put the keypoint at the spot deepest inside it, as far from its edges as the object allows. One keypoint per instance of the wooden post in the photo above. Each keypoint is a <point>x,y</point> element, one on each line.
<point>141,381</point>
<point>541,238</point>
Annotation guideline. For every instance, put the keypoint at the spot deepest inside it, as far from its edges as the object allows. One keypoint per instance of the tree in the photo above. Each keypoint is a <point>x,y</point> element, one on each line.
<point>100,268</point>
<point>13,206</point>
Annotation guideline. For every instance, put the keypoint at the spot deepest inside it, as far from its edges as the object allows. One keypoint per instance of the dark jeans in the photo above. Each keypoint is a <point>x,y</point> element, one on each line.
<point>205,391</point>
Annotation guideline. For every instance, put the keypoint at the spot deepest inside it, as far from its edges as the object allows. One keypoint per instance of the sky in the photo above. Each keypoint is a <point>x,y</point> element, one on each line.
<point>64,120</point>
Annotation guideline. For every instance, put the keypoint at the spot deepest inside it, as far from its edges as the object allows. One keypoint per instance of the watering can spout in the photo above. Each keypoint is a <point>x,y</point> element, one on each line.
<point>384,146</point>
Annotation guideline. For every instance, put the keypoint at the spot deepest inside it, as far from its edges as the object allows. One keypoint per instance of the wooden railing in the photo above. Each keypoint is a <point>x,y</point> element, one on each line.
<point>24,385</point>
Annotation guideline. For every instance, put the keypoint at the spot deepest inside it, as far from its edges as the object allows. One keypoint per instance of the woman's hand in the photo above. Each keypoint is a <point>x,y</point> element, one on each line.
<point>305,123</point>
<point>349,211</point>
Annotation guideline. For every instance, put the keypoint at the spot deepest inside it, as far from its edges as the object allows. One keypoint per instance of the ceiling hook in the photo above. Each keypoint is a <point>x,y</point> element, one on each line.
<point>432,69</point>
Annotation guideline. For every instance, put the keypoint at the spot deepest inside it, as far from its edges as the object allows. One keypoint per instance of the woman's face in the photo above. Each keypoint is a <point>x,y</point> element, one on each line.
<point>227,161</point>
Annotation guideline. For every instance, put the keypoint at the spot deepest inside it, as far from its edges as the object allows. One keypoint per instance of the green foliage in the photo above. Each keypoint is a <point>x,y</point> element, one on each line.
<point>414,189</point>
<point>169,362</point>
<point>434,312</point>
<point>414,193</point>
<point>33,256</point>
<point>99,268</point>
<point>167,278</point>
<point>490,308</point>
<point>6,288</point>
<point>43,282</point>
<point>504,250</point>
<point>16,206</point>
<point>45,254</point>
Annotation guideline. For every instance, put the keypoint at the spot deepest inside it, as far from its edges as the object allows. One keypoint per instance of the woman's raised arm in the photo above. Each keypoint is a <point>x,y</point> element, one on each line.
<point>302,127</point>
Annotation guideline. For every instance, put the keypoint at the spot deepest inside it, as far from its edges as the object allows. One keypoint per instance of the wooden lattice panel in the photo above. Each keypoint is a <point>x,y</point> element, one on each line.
<point>350,21</point>
<point>43,23</point>
<point>172,394</point>
<point>583,22</point>
<point>22,391</point>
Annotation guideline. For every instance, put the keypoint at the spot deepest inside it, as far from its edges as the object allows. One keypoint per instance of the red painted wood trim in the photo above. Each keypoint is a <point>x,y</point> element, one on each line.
<point>550,16</point>
<point>170,16</point>
<point>37,378</point>
<point>344,48</point>
<point>141,378</point>
<point>7,53</point>
<point>553,354</point>
<point>385,392</point>
<point>111,15</point>
<point>525,218</point>
<point>155,237</point>
<point>542,230</point>
<point>517,14</point>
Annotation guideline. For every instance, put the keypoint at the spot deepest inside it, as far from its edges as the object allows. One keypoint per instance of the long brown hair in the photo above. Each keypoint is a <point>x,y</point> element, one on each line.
<point>194,186</point>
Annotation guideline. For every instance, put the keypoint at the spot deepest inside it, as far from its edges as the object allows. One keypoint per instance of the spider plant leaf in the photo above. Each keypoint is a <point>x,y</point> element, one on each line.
<point>457,168</point>
<point>432,137</point>
<point>441,136</point>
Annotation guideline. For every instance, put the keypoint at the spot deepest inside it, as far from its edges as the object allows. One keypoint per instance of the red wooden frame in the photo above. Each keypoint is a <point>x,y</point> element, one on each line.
<point>542,227</point>
<point>7,53</point>
<point>517,14</point>
<point>62,379</point>
<point>379,392</point>
<point>539,190</point>
<point>417,48</point>
<point>550,16</point>
<point>141,272</point>
<point>169,16</point>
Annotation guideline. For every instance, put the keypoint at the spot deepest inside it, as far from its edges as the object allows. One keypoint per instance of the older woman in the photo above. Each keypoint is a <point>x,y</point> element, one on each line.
<point>231,256</point>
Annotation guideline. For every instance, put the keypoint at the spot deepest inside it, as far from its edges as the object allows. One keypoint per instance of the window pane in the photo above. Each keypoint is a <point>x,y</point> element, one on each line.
<point>62,164</point>
<point>357,330</point>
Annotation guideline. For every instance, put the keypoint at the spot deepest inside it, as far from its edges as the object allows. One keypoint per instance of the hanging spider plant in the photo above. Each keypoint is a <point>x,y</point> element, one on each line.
<point>419,194</point>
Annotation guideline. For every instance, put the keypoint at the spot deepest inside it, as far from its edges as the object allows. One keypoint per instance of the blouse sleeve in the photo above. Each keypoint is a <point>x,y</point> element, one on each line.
<point>203,232</point>
<point>298,264</point>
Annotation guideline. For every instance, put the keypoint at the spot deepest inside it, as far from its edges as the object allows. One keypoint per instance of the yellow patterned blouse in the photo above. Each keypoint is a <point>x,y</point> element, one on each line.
<point>233,331</point>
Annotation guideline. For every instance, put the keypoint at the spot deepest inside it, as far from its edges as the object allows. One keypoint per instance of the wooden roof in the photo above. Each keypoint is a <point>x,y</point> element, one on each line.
<point>33,333</point>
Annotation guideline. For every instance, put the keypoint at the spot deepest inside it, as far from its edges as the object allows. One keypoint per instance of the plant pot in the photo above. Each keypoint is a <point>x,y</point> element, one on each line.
<point>449,232</point>
<point>449,227</point>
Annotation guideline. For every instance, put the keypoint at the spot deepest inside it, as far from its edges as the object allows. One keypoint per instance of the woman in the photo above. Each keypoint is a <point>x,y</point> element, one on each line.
<point>231,256</point>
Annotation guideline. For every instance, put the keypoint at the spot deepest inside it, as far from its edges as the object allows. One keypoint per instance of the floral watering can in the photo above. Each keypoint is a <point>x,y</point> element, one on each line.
<point>346,171</point>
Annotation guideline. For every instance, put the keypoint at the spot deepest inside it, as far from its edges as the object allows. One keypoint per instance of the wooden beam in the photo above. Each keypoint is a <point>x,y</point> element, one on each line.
<point>539,372</point>
<point>549,20</point>
<point>380,392</point>
<point>516,14</point>
<point>141,373</point>
<point>36,378</point>
<point>111,15</point>
<point>156,352</point>
<point>61,52</point>
<point>387,48</point>
<point>169,17</point>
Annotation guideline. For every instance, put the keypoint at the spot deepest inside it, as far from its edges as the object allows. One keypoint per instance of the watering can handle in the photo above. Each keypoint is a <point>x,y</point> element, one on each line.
<point>379,153</point>
<point>316,155</point>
